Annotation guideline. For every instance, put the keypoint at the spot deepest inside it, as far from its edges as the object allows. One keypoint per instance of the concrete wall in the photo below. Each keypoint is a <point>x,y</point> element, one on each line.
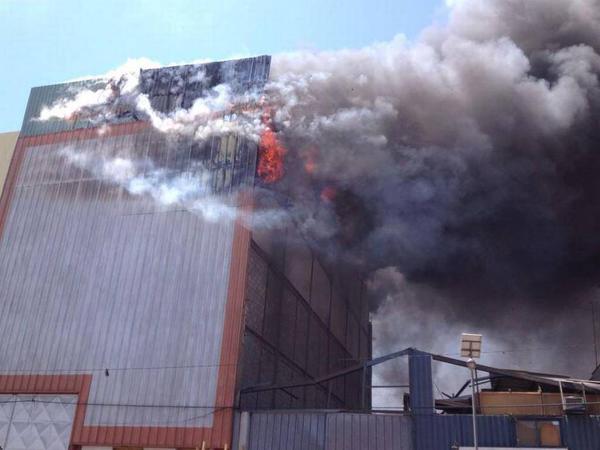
<point>7,146</point>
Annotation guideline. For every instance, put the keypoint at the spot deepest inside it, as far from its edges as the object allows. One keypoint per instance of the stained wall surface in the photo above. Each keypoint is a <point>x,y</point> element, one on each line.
<point>7,146</point>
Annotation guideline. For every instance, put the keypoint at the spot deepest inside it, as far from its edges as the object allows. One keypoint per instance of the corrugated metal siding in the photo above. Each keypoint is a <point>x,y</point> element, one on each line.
<point>306,430</point>
<point>421,386</point>
<point>332,431</point>
<point>168,88</point>
<point>442,431</point>
<point>94,278</point>
<point>581,433</point>
<point>289,431</point>
<point>346,431</point>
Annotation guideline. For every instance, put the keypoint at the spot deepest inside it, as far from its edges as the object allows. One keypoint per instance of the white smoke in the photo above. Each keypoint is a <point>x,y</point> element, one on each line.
<point>218,113</point>
<point>190,189</point>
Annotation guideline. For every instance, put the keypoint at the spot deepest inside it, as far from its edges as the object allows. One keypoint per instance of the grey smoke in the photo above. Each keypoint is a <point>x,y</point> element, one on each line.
<point>470,161</point>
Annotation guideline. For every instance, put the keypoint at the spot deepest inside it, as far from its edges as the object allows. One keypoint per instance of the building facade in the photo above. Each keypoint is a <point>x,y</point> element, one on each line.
<point>130,322</point>
<point>7,146</point>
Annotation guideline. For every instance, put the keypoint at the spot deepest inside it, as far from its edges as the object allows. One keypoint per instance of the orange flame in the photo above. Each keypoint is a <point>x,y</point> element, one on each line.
<point>270,157</point>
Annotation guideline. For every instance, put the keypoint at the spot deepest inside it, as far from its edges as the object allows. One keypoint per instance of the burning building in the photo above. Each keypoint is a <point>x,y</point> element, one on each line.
<point>139,312</point>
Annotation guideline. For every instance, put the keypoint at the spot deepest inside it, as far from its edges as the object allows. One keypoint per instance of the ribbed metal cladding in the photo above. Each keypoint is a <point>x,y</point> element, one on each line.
<point>581,433</point>
<point>421,386</point>
<point>436,431</point>
<point>133,293</point>
<point>306,430</point>
<point>349,431</point>
<point>92,277</point>
<point>287,430</point>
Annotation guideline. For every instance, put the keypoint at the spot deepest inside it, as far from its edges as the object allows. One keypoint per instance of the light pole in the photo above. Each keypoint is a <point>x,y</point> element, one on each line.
<point>472,366</point>
<point>470,347</point>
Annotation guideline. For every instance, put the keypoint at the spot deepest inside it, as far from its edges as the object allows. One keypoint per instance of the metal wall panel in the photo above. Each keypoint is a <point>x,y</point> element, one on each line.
<point>296,336</point>
<point>306,430</point>
<point>92,278</point>
<point>329,430</point>
<point>346,431</point>
<point>581,433</point>
<point>289,431</point>
<point>436,431</point>
<point>421,385</point>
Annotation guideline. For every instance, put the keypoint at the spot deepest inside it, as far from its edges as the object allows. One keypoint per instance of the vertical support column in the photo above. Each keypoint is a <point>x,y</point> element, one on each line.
<point>421,398</point>
<point>244,431</point>
<point>421,383</point>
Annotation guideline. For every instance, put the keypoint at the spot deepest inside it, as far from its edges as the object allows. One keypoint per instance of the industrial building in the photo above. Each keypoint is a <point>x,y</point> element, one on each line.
<point>130,323</point>
<point>515,409</point>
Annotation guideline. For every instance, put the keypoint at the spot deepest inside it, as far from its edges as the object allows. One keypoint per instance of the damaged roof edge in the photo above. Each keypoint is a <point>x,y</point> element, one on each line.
<point>548,379</point>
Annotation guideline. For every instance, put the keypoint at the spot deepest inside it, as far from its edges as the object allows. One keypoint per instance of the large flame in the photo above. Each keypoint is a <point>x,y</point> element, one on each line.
<point>270,157</point>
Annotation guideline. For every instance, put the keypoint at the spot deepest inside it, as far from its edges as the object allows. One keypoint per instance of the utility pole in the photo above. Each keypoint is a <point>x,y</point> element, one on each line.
<point>470,347</point>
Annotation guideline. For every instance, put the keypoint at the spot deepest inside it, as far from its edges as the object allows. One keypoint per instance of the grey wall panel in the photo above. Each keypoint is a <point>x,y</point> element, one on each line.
<point>346,431</point>
<point>289,431</point>
<point>92,278</point>
<point>297,430</point>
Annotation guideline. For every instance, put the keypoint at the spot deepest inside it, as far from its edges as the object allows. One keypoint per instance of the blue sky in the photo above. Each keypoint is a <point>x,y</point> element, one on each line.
<point>48,41</point>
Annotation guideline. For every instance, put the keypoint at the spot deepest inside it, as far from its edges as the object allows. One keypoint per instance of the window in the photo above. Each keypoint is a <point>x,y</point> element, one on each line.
<point>544,433</point>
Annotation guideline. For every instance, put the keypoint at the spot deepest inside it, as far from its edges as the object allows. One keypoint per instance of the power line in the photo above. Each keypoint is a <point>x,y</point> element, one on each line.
<point>114,369</point>
<point>35,399</point>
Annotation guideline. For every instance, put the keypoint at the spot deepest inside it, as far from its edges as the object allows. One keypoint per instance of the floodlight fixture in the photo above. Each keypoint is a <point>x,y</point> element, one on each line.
<point>470,345</point>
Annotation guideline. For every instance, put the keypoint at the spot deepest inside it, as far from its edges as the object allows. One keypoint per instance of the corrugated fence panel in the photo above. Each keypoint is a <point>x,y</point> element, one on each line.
<point>581,433</point>
<point>305,430</point>
<point>299,430</point>
<point>289,431</point>
<point>348,431</point>
<point>442,431</point>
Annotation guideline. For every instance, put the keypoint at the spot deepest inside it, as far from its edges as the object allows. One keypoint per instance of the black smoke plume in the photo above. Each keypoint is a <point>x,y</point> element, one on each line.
<point>466,168</point>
